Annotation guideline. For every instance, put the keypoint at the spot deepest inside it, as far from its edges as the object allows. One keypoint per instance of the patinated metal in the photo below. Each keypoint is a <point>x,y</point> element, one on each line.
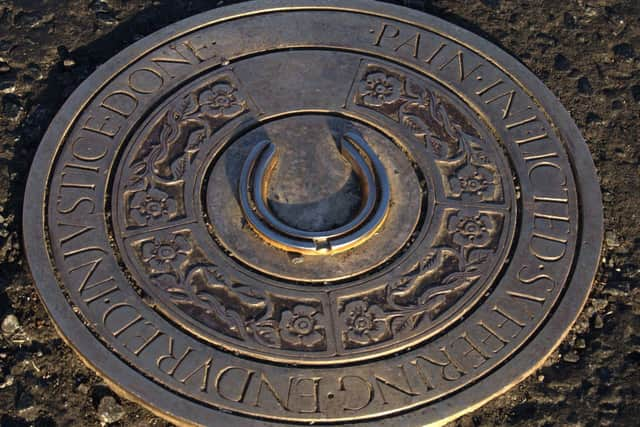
<point>313,212</point>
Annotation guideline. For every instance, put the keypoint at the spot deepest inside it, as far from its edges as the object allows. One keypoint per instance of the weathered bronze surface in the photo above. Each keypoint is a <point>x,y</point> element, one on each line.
<point>313,212</point>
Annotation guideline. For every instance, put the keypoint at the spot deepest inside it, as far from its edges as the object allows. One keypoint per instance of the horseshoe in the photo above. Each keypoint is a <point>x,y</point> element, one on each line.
<point>253,186</point>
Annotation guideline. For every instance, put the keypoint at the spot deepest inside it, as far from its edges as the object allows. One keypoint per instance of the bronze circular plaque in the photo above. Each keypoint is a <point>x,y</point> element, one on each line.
<point>313,212</point>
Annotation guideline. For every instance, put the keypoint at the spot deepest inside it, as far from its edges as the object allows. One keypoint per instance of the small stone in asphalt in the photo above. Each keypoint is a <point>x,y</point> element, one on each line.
<point>109,411</point>
<point>10,325</point>
<point>571,357</point>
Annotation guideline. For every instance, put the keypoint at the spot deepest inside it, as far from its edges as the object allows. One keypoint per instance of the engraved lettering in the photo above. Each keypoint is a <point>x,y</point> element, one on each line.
<point>81,230</point>
<point>89,155</point>
<point>197,50</point>
<point>147,342</point>
<point>474,348</point>
<point>93,265</point>
<point>461,72</point>
<point>80,185</point>
<point>164,62</point>
<point>412,43</point>
<point>489,87</point>
<point>243,383</point>
<point>171,356</point>
<point>532,138</point>
<point>127,308</point>
<point>521,122</point>
<point>383,33</point>
<point>502,341</point>
<point>528,156</point>
<point>82,250</point>
<point>265,383</point>
<point>525,296</point>
<point>127,325</point>
<point>145,81</point>
<point>451,370</point>
<point>549,165</point>
<point>79,201</point>
<point>405,389</point>
<point>551,199</point>
<point>534,278</point>
<point>507,316</point>
<point>205,367</point>
<point>102,294</point>
<point>556,246</point>
<point>422,374</point>
<point>94,169</point>
<point>352,385</point>
<point>120,102</point>
<point>435,53</point>
<point>101,128</point>
<point>295,384</point>
<point>508,98</point>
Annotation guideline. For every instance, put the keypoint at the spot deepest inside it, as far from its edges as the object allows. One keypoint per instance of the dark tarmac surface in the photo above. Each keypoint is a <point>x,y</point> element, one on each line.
<point>586,51</point>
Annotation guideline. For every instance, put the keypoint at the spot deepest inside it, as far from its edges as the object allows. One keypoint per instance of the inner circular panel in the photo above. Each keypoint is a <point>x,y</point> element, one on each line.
<point>313,187</point>
<point>188,244</point>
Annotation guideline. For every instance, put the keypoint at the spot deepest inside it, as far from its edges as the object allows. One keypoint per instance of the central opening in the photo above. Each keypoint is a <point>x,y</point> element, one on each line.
<point>312,187</point>
<point>312,181</point>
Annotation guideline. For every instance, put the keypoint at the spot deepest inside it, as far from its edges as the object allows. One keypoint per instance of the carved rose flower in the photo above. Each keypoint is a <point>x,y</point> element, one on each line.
<point>474,182</point>
<point>471,230</point>
<point>220,100</point>
<point>365,323</point>
<point>379,88</point>
<point>301,326</point>
<point>153,205</point>
<point>165,255</point>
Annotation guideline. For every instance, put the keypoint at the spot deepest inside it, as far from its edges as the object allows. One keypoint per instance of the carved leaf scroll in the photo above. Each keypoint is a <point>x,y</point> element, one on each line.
<point>467,169</point>
<point>185,277</point>
<point>460,257</point>
<point>154,189</point>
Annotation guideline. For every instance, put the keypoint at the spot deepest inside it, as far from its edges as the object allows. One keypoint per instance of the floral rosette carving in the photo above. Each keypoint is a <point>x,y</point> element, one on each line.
<point>182,274</point>
<point>467,170</point>
<point>154,190</point>
<point>365,323</point>
<point>302,327</point>
<point>461,255</point>
<point>290,323</point>
<point>380,88</point>
<point>151,206</point>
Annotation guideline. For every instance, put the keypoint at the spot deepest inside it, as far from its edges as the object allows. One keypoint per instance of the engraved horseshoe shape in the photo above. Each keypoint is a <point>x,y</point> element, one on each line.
<point>374,183</point>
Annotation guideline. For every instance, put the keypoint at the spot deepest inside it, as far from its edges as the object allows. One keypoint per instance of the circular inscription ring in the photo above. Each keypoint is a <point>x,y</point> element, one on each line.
<point>313,212</point>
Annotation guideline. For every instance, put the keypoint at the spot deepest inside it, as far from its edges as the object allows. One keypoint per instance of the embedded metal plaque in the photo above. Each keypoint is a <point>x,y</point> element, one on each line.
<point>313,212</point>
